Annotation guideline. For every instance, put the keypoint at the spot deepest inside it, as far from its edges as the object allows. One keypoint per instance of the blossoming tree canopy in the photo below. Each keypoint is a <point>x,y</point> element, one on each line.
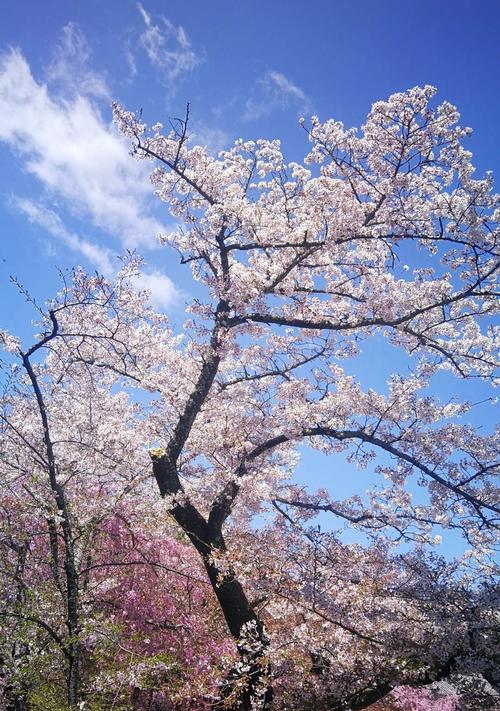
<point>302,263</point>
<point>382,232</point>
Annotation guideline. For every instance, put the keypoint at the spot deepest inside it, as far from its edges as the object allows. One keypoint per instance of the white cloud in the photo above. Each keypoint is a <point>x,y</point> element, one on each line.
<point>275,91</point>
<point>286,87</point>
<point>163,292</point>
<point>69,69</point>
<point>167,47</point>
<point>82,163</point>
<point>129,56</point>
<point>214,139</point>
<point>78,157</point>
<point>100,257</point>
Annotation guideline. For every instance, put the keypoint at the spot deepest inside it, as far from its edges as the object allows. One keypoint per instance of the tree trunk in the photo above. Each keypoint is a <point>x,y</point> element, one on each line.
<point>72,622</point>
<point>72,592</point>
<point>248,686</point>
<point>251,688</point>
<point>74,676</point>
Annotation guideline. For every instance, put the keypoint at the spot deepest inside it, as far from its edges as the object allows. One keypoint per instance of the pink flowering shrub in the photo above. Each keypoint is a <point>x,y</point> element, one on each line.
<point>408,698</point>
<point>158,636</point>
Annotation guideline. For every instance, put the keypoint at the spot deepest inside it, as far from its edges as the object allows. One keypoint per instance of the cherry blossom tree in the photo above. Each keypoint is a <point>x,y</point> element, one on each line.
<point>90,568</point>
<point>135,611</point>
<point>382,233</point>
<point>59,451</point>
<point>301,264</point>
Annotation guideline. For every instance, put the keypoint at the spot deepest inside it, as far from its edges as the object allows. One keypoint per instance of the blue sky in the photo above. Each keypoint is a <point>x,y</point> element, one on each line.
<point>69,192</point>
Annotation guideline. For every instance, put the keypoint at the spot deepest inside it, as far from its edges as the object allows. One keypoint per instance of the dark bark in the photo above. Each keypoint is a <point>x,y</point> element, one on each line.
<point>71,587</point>
<point>243,623</point>
<point>242,688</point>
<point>15,699</point>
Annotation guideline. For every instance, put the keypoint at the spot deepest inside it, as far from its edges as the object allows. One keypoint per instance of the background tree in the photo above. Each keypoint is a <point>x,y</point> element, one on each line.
<point>74,504</point>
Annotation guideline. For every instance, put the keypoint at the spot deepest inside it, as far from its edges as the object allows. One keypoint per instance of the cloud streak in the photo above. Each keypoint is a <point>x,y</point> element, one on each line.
<point>273,92</point>
<point>75,155</point>
<point>100,257</point>
<point>69,69</point>
<point>81,162</point>
<point>163,292</point>
<point>167,47</point>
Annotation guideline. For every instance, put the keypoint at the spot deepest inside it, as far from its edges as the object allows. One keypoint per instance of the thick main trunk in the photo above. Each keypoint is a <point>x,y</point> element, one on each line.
<point>251,688</point>
<point>248,686</point>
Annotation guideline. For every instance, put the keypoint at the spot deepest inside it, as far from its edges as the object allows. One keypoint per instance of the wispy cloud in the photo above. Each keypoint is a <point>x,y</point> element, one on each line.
<point>132,65</point>
<point>213,138</point>
<point>76,155</point>
<point>38,214</point>
<point>82,163</point>
<point>168,47</point>
<point>70,68</point>
<point>163,292</point>
<point>275,91</point>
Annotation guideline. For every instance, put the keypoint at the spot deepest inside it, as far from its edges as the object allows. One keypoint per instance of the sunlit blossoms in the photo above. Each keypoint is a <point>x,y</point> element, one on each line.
<point>155,536</point>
